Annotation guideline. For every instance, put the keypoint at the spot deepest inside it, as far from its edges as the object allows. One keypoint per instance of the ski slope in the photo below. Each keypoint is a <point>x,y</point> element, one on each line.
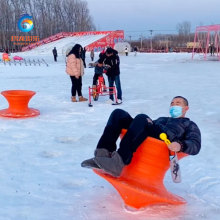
<point>63,44</point>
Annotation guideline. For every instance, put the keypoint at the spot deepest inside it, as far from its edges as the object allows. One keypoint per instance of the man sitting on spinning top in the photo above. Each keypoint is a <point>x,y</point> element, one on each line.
<point>183,133</point>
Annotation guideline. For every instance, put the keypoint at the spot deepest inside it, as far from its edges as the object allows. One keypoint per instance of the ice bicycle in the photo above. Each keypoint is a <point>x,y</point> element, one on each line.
<point>100,89</point>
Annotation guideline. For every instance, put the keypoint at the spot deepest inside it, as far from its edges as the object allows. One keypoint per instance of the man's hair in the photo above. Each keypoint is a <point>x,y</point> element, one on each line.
<point>109,50</point>
<point>184,99</point>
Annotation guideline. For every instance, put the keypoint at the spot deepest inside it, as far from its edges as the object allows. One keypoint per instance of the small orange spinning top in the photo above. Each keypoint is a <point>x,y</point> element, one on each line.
<point>18,104</point>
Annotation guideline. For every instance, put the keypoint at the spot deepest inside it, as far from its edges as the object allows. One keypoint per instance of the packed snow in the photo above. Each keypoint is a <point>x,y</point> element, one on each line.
<point>65,43</point>
<point>40,173</point>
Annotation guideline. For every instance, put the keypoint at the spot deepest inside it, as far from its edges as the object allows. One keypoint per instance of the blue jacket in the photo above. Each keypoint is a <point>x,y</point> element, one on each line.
<point>181,130</point>
<point>99,70</point>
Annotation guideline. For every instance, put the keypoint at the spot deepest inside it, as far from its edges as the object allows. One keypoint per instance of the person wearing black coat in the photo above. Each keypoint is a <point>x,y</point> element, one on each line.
<point>135,50</point>
<point>55,54</point>
<point>83,56</point>
<point>183,133</point>
<point>212,49</point>
<point>111,62</point>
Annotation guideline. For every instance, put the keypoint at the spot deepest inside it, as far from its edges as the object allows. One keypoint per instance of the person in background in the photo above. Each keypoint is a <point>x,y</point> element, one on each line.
<point>75,69</point>
<point>83,56</point>
<point>135,50</point>
<point>126,51</point>
<point>212,49</point>
<point>55,54</point>
<point>92,54</point>
<point>183,133</point>
<point>111,61</point>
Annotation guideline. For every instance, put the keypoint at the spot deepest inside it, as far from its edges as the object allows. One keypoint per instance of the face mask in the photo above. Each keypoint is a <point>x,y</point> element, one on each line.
<point>176,111</point>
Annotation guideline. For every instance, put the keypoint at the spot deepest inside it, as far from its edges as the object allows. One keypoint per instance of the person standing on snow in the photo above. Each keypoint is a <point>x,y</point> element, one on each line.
<point>83,56</point>
<point>135,50</point>
<point>75,69</point>
<point>212,49</point>
<point>55,54</point>
<point>126,51</point>
<point>92,54</point>
<point>111,61</point>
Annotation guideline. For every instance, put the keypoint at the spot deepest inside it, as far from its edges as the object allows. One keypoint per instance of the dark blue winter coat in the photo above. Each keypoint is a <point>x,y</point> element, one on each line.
<point>181,130</point>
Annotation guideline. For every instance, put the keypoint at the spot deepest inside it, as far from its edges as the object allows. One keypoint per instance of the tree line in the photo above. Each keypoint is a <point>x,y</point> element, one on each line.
<point>167,42</point>
<point>49,17</point>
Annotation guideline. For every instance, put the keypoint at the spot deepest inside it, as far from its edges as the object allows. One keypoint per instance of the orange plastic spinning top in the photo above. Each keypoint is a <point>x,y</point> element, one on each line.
<point>5,57</point>
<point>141,182</point>
<point>18,104</point>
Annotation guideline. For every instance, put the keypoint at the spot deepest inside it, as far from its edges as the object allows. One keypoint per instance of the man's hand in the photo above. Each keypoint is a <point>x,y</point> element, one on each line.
<point>106,66</point>
<point>174,146</point>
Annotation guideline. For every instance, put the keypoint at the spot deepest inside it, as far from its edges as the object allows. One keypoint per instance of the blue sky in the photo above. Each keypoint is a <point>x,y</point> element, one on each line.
<point>137,17</point>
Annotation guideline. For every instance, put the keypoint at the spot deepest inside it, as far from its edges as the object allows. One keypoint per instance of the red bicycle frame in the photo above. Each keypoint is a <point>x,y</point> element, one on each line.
<point>101,89</point>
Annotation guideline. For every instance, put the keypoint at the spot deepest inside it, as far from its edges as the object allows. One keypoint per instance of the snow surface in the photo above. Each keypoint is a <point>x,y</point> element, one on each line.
<point>40,173</point>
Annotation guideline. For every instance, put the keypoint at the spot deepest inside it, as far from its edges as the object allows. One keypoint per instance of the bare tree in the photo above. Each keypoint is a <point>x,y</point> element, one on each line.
<point>184,28</point>
<point>49,17</point>
<point>184,32</point>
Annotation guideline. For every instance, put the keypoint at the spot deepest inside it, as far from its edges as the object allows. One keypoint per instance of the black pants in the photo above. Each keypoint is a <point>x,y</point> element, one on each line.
<point>55,58</point>
<point>117,81</point>
<point>137,131</point>
<point>76,85</point>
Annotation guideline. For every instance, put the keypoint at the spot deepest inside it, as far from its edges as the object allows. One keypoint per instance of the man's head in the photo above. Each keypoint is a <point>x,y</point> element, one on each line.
<point>178,107</point>
<point>109,52</point>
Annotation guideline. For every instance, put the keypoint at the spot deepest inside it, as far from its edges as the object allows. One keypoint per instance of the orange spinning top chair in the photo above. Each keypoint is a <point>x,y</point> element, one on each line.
<point>18,104</point>
<point>141,182</point>
<point>5,57</point>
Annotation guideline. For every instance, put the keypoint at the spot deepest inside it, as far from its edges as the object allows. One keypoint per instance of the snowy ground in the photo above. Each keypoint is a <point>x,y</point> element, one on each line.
<point>40,173</point>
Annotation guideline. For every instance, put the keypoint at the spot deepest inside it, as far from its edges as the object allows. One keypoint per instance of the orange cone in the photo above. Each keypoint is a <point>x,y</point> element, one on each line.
<point>141,182</point>
<point>18,104</point>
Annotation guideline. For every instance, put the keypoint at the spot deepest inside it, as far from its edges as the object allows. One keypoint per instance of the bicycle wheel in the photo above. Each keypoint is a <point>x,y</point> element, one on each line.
<point>95,93</point>
<point>96,97</point>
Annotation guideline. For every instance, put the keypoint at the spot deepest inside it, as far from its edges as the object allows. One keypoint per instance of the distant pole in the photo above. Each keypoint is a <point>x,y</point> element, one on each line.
<point>167,42</point>
<point>141,41</point>
<point>151,45</point>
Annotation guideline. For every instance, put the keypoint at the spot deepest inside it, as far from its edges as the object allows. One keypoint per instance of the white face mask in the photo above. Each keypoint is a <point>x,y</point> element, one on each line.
<point>176,111</point>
